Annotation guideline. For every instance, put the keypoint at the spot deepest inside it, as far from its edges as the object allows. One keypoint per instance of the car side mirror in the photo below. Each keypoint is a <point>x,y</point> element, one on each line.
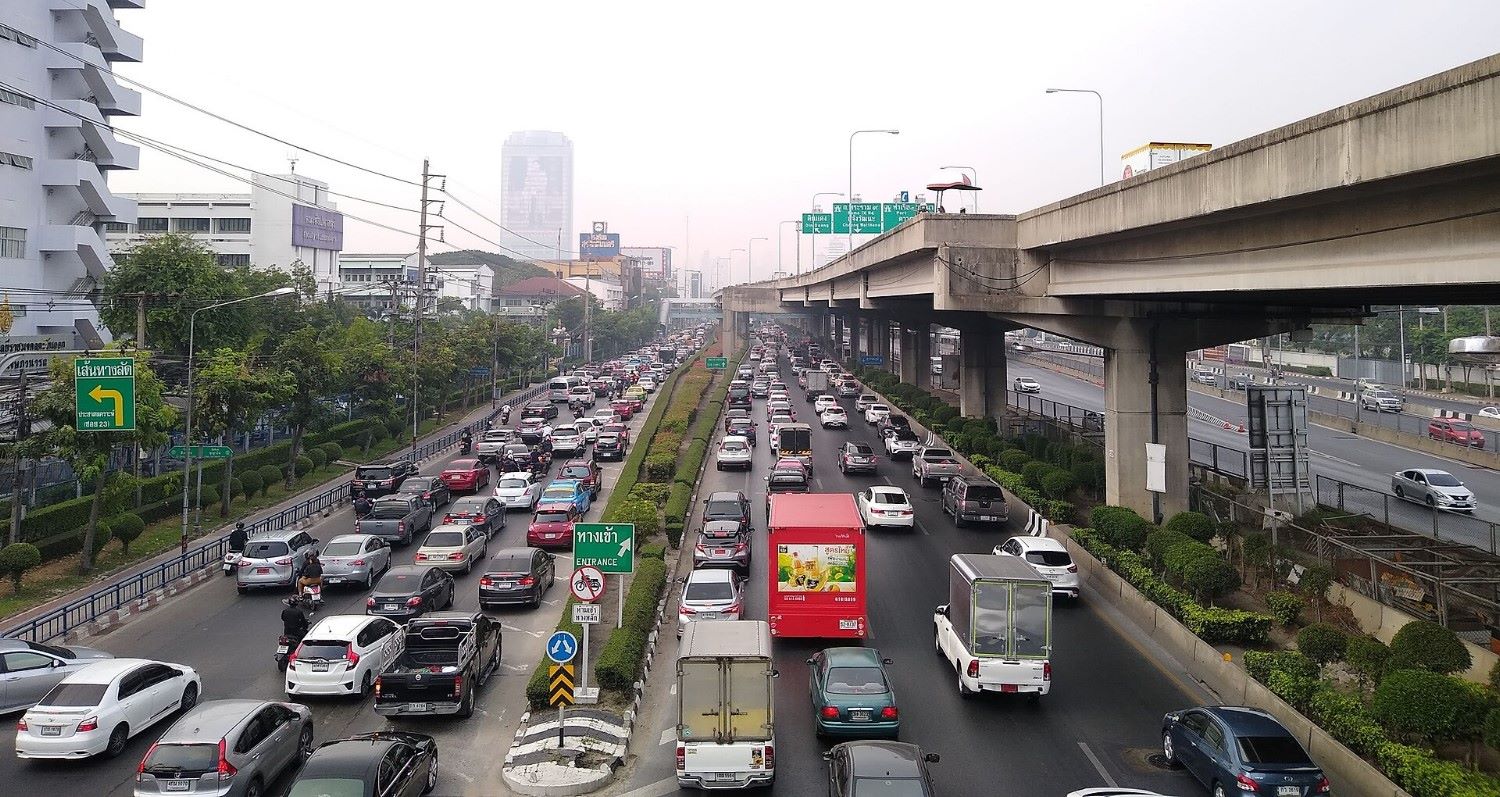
<point>931,758</point>
<point>887,662</point>
<point>315,541</point>
<point>943,610</point>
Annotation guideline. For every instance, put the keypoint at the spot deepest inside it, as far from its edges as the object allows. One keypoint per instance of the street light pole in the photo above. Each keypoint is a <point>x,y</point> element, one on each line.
<point>851,179</point>
<point>814,245</point>
<point>187,470</point>
<point>750,258</point>
<point>1100,98</point>
<point>974,176</point>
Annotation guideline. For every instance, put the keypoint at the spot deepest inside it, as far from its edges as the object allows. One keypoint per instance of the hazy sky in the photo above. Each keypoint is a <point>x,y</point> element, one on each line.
<point>735,114</point>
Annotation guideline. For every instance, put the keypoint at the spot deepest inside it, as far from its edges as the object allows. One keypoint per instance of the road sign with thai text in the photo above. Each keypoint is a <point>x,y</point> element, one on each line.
<point>867,218</point>
<point>201,452</point>
<point>607,546</point>
<point>104,394</point>
<point>817,223</point>
<point>716,363</point>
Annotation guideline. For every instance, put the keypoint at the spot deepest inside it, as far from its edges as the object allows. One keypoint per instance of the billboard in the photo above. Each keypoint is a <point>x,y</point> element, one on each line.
<point>317,228</point>
<point>816,568</point>
<point>656,261</point>
<point>598,245</point>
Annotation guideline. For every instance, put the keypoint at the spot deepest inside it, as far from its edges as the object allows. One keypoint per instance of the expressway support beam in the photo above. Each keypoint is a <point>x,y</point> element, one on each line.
<point>916,351</point>
<point>1145,400</point>
<point>981,376</point>
<point>883,341</point>
<point>733,341</point>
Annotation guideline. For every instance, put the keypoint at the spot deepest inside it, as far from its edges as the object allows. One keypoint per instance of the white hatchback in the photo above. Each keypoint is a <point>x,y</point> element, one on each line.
<point>588,428</point>
<point>342,654</point>
<point>885,506</point>
<point>834,416</point>
<point>96,710</point>
<point>824,402</point>
<point>518,490</point>
<point>877,413</point>
<point>1048,557</point>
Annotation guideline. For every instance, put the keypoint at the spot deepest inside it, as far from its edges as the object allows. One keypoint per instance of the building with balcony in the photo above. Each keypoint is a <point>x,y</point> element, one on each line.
<point>56,154</point>
<point>383,283</point>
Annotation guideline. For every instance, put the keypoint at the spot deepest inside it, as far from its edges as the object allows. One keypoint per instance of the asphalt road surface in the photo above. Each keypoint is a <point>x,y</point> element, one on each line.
<point>1097,726</point>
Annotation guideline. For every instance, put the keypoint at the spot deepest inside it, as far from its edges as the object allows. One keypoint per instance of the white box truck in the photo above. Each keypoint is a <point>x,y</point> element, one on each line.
<point>817,383</point>
<point>1155,155</point>
<point>996,628</point>
<point>726,733</point>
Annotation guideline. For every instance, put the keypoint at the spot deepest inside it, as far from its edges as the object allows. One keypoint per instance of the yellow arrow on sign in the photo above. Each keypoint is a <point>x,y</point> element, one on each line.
<point>99,394</point>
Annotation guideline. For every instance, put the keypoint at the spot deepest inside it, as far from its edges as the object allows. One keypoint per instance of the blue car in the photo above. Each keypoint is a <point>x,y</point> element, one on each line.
<point>566,491</point>
<point>1234,750</point>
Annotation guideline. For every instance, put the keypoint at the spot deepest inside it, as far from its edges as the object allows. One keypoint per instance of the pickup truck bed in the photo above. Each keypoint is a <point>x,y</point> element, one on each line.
<point>396,520</point>
<point>934,465</point>
<point>448,656</point>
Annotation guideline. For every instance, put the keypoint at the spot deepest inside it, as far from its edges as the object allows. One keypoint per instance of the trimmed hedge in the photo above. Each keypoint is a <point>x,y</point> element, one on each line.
<point>1193,524</point>
<point>619,664</point>
<point>1120,526</point>
<point>1285,606</point>
<point>1425,645</point>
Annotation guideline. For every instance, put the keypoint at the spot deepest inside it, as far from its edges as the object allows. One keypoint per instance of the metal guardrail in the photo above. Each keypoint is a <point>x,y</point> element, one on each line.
<point>86,609</point>
<point>1396,513</point>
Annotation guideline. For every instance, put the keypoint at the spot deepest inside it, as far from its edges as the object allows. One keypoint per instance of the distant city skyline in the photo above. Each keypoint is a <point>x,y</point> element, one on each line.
<point>536,194</point>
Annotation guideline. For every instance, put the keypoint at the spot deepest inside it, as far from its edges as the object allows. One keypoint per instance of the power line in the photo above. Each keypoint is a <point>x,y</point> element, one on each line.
<point>471,209</point>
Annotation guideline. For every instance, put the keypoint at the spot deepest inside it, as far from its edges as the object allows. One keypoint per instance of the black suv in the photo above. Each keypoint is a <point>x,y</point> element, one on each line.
<point>538,409</point>
<point>380,478</point>
<point>727,505</point>
<point>739,394</point>
<point>609,446</point>
<point>786,479</point>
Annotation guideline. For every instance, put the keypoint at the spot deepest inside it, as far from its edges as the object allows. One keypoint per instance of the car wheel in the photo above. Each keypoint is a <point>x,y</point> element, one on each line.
<point>305,743</point>
<point>1431,504</point>
<point>1400,493</point>
<point>117,739</point>
<point>366,685</point>
<point>963,691</point>
<point>242,590</point>
<point>254,789</point>
<point>466,708</point>
<point>448,604</point>
<point>432,777</point>
<point>1167,751</point>
<point>189,698</point>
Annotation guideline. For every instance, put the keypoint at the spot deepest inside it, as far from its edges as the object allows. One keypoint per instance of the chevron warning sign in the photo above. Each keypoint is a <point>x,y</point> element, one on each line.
<point>560,685</point>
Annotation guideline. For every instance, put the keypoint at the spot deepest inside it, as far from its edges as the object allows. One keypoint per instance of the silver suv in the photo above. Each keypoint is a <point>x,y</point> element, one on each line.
<point>274,559</point>
<point>1381,401</point>
<point>227,748</point>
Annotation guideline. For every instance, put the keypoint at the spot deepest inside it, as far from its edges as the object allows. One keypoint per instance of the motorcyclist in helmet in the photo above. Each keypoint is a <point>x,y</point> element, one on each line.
<point>362,504</point>
<point>238,537</point>
<point>294,622</point>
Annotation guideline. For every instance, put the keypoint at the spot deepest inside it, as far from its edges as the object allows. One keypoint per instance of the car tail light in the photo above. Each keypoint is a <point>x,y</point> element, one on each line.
<point>140,769</point>
<point>400,525</point>
<point>351,656</point>
<point>1245,783</point>
<point>21,726</point>
<point>369,603</point>
<point>1323,786</point>
<point>292,657</point>
<point>681,758</point>
<point>527,581</point>
<point>226,769</point>
<point>421,557</point>
<point>1072,568</point>
<point>377,687</point>
<point>770,757</point>
<point>458,686</point>
<point>888,713</point>
<point>486,581</point>
<point>830,712</point>
<point>456,556</point>
<point>1046,670</point>
<point>733,607</point>
<point>416,601</point>
<point>700,547</point>
<point>741,545</point>
<point>90,724</point>
<point>973,668</point>
<point>357,563</point>
<point>283,562</point>
<point>686,609</point>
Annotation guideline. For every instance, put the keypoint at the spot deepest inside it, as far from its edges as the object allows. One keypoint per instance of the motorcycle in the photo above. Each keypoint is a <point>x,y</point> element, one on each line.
<point>231,562</point>
<point>466,446</point>
<point>312,595</point>
<point>284,645</point>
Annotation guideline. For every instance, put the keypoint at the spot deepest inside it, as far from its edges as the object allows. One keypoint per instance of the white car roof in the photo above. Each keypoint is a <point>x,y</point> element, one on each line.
<point>517,474</point>
<point>1428,471</point>
<point>735,439</point>
<point>712,574</point>
<point>338,626</point>
<point>106,670</point>
<point>1039,544</point>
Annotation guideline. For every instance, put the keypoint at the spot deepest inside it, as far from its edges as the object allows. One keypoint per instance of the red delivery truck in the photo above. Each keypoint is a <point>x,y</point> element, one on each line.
<point>817,566</point>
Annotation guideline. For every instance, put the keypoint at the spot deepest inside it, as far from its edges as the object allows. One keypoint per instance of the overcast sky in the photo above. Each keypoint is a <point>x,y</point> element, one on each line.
<point>733,115</point>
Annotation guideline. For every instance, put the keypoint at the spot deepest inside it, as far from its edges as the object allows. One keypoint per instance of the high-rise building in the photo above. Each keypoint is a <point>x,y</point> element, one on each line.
<point>536,194</point>
<point>56,151</point>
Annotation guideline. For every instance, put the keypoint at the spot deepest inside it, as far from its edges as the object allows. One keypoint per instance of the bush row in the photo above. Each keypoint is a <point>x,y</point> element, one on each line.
<point>619,664</point>
<point>1196,565</point>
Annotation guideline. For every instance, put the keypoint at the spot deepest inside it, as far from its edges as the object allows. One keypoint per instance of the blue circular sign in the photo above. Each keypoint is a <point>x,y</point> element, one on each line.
<point>562,647</point>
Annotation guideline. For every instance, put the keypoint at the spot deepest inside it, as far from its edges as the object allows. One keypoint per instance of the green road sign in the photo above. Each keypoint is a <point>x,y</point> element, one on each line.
<point>104,394</point>
<point>607,546</point>
<point>817,223</point>
<point>893,213</point>
<point>201,452</point>
<point>867,218</point>
<point>716,363</point>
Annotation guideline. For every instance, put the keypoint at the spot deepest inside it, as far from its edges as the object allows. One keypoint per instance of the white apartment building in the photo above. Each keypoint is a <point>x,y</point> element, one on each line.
<point>611,295</point>
<point>55,157</point>
<point>286,221</point>
<point>382,281</point>
<point>470,283</point>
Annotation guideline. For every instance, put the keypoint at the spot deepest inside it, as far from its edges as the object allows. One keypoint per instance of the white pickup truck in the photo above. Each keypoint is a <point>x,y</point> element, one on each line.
<point>996,628</point>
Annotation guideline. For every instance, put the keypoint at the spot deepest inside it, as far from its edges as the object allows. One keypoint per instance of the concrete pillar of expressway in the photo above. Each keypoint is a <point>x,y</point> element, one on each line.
<point>922,356</point>
<point>883,341</point>
<point>981,376</point>
<point>731,333</point>
<point>1128,417</point>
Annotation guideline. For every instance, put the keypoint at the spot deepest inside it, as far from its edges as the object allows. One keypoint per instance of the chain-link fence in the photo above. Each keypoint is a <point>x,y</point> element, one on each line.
<point>1418,518</point>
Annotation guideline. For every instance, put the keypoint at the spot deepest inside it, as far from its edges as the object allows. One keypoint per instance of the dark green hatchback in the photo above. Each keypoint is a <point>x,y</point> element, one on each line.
<point>851,695</point>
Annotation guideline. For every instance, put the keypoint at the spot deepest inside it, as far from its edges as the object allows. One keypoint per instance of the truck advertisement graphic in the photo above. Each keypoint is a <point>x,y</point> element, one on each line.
<point>816,568</point>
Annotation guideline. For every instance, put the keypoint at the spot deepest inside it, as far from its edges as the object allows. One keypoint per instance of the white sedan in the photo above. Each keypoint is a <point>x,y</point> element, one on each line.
<point>877,413</point>
<point>885,506</point>
<point>518,490</point>
<point>834,416</point>
<point>96,710</point>
<point>824,402</point>
<point>587,428</point>
<point>1490,412</point>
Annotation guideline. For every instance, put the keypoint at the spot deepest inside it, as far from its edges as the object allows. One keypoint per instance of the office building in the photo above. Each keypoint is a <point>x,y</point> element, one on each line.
<point>56,153</point>
<point>536,193</point>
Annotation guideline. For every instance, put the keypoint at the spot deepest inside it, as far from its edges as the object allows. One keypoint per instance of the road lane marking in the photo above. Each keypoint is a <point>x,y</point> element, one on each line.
<point>537,634</point>
<point>1098,766</point>
<point>668,736</point>
<point>660,788</point>
<point>672,690</point>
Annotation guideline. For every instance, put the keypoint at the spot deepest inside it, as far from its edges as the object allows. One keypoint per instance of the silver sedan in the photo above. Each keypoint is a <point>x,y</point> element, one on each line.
<point>1438,489</point>
<point>31,669</point>
<point>355,559</point>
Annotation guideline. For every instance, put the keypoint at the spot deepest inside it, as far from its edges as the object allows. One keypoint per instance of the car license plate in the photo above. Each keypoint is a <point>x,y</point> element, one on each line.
<point>858,715</point>
<point>1010,687</point>
<point>708,615</point>
<point>892,513</point>
<point>371,485</point>
<point>320,666</point>
<point>391,607</point>
<point>848,625</point>
<point>988,517</point>
<point>505,585</point>
<point>51,730</point>
<point>721,552</point>
<point>1288,791</point>
<point>419,706</point>
<point>261,571</point>
<point>281,648</point>
<point>176,785</point>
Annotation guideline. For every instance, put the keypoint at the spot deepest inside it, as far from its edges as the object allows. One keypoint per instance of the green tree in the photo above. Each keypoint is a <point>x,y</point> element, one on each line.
<point>1425,645</point>
<point>312,369</point>
<point>231,394</point>
<point>88,452</point>
<point>178,274</point>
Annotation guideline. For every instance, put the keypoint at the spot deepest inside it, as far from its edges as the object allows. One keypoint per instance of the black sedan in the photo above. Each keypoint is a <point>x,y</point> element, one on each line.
<point>539,409</point>
<point>516,575</point>
<point>407,591</point>
<point>381,764</point>
<point>483,511</point>
<point>859,769</point>
<point>433,489</point>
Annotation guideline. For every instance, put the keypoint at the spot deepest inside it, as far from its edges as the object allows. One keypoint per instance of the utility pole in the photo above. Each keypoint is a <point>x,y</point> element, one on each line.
<point>416,324</point>
<point>17,490</point>
<point>495,364</point>
<point>588,296</point>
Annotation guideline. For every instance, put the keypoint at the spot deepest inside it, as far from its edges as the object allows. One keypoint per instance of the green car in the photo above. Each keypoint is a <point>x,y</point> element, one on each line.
<point>851,695</point>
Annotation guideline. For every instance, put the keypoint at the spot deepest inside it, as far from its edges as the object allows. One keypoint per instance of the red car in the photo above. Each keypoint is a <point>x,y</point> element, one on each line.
<point>466,475</point>
<point>620,429</point>
<point>552,527</point>
<point>623,408</point>
<point>1451,431</point>
<point>585,471</point>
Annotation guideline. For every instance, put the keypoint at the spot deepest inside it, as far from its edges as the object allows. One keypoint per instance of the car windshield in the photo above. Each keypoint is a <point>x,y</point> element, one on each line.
<point>608,439</point>
<point>709,591</point>
<point>444,539</point>
<point>564,430</point>
<point>378,473</point>
<point>1272,750</point>
<point>1461,427</point>
<point>327,787</point>
<point>512,484</point>
<point>724,509</point>
<point>468,506</point>
<point>185,757</point>
<point>1382,394</point>
<point>552,517</point>
<point>937,453</point>
<point>1443,480</point>
<point>887,497</point>
<point>1049,558</point>
<point>419,484</point>
<point>399,583</point>
<point>856,681</point>
<point>907,436</point>
<point>860,448</point>
<point>881,787</point>
<point>74,695</point>
<point>343,548</point>
<point>268,549</point>
<point>787,478</point>
<point>739,425</point>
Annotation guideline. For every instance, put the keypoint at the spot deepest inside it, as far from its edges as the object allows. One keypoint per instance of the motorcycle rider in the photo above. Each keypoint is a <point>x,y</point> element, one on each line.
<point>362,504</point>
<point>466,441</point>
<point>294,622</point>
<point>505,414</point>
<point>312,574</point>
<point>238,537</point>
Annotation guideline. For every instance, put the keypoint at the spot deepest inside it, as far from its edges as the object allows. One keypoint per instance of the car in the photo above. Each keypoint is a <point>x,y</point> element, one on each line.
<point>877,413</point>
<point>585,472</point>
<point>588,429</point>
<point>354,559</point>
<point>883,506</point>
<point>848,388</point>
<point>1239,748</point>
<point>431,489</point>
<point>727,505</point>
<point>777,420</point>
<point>1048,557</point>
<point>618,428</point>
<point>851,695</point>
<point>636,395</point>
<point>738,413</point>
<point>743,427</point>
<point>834,417</point>
<point>1437,489</point>
<point>822,402</point>
<point>733,452</point>
<point>227,748</point>
<point>466,475</point>
<point>780,387</point>
<point>492,442</point>
<point>376,764</point>
<point>1452,431</point>
<point>864,401</point>
<point>1205,377</point>
<point>516,575</point>
<point>481,511</point>
<point>893,422</point>
<point>583,395</point>
<point>97,709</point>
<point>518,490</point>
<point>29,670</point>
<point>611,445</point>
<point>454,546</point>
<point>1114,791</point>
<point>1025,384</point>
<point>856,458</point>
<point>787,476</point>
<point>1489,412</point>
<point>552,526</point>
<point>273,559</point>
<point>1241,382</point>
<point>1381,400</point>
<point>878,768</point>
<point>902,444</point>
<point>647,384</point>
<point>969,497</point>
<point>533,430</point>
<point>710,594</point>
<point>566,439</point>
<point>607,416</point>
<point>380,478</point>
<point>780,407</point>
<point>566,492</point>
<point>624,408</point>
<point>760,388</point>
<point>723,543</point>
<point>539,409</point>
<point>514,458</point>
<point>407,591</point>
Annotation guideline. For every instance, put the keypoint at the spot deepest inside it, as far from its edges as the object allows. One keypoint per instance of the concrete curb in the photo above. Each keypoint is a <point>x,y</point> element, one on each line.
<point>112,620</point>
<point>543,769</point>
